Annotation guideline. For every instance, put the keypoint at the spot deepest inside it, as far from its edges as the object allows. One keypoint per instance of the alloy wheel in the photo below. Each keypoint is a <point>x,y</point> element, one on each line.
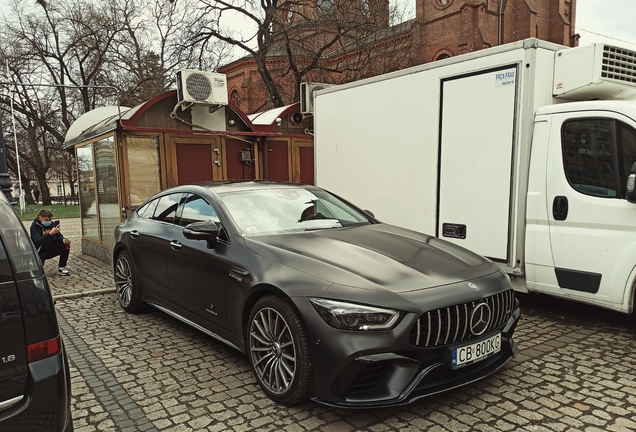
<point>123,281</point>
<point>272,350</point>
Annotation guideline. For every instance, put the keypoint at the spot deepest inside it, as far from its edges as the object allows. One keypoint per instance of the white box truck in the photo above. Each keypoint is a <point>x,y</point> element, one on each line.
<point>488,150</point>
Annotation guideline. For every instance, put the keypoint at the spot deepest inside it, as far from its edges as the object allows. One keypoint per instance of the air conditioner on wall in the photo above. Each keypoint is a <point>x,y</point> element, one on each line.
<point>307,90</point>
<point>201,87</point>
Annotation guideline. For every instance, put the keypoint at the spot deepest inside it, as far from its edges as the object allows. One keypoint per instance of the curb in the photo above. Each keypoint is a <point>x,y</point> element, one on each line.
<point>83,294</point>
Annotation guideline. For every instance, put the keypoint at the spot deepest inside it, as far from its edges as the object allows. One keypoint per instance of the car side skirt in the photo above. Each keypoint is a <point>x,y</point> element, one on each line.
<point>195,325</point>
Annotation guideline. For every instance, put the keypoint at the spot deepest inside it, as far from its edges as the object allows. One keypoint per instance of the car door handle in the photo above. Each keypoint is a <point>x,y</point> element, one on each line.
<point>560,208</point>
<point>175,245</point>
<point>134,234</point>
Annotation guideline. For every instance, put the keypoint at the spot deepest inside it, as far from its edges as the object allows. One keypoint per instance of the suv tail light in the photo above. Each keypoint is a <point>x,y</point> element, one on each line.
<point>42,350</point>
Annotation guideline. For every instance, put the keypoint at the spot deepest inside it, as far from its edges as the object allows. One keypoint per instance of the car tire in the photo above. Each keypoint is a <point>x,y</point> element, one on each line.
<point>127,284</point>
<point>278,351</point>
<point>69,426</point>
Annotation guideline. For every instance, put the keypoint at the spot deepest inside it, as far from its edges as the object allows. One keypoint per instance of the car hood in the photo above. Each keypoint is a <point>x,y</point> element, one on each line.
<point>377,256</point>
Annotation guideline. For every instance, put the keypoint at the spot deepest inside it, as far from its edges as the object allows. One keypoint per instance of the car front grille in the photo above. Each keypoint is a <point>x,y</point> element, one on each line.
<point>452,324</point>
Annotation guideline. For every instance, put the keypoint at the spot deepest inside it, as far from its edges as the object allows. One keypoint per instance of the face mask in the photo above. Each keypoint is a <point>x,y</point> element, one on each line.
<point>47,224</point>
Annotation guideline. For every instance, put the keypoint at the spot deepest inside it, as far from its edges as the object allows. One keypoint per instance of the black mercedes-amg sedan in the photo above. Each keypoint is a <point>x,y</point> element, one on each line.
<point>326,301</point>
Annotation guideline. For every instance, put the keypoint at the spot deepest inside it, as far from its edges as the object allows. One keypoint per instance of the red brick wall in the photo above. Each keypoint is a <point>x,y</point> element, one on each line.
<point>441,27</point>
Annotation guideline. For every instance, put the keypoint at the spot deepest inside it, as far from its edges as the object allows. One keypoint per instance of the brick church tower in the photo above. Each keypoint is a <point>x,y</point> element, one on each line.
<point>445,28</point>
<point>440,29</point>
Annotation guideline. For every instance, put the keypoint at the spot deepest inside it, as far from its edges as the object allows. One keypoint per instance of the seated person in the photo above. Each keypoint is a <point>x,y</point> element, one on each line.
<point>49,241</point>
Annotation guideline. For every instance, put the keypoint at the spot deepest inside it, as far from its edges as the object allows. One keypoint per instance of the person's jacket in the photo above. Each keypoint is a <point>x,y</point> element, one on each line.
<point>41,237</point>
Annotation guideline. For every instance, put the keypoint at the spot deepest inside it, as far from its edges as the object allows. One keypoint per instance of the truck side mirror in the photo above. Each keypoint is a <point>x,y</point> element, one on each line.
<point>631,182</point>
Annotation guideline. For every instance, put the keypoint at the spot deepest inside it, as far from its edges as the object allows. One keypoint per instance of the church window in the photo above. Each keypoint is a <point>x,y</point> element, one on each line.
<point>366,7</point>
<point>326,5</point>
<point>234,97</point>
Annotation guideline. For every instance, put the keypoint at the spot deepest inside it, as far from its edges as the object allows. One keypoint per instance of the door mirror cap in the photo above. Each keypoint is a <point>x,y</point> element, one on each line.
<point>630,195</point>
<point>201,231</point>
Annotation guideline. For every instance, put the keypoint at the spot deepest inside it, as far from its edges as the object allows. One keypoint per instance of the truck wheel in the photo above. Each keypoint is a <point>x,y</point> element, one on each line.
<point>127,284</point>
<point>279,351</point>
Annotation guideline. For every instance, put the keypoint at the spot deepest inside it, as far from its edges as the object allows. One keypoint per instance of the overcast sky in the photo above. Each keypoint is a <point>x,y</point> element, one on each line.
<point>612,18</point>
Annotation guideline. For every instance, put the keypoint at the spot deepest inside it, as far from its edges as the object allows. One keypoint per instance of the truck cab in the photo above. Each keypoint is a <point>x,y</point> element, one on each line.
<point>580,228</point>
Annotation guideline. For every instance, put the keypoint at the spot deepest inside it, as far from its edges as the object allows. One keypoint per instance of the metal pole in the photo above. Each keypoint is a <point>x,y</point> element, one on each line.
<point>499,23</point>
<point>17,155</point>
<point>5,181</point>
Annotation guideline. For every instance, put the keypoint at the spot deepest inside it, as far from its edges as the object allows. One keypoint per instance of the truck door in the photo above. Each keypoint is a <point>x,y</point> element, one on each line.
<point>592,226</point>
<point>476,150</point>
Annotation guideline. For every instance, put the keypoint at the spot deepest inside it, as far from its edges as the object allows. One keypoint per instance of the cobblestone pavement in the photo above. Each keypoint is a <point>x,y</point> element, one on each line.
<point>576,371</point>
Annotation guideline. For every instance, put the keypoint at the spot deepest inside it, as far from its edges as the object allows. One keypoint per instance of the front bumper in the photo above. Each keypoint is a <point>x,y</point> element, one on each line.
<point>379,369</point>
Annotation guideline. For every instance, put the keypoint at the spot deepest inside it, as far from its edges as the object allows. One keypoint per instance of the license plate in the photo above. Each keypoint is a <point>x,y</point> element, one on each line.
<point>468,354</point>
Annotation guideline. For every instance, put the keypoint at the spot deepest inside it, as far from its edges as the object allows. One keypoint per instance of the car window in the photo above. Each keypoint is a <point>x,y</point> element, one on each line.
<point>167,205</point>
<point>266,211</point>
<point>626,144</point>
<point>18,245</point>
<point>587,154</point>
<point>140,211</point>
<point>598,154</point>
<point>196,209</point>
<point>5,268</point>
<point>148,209</point>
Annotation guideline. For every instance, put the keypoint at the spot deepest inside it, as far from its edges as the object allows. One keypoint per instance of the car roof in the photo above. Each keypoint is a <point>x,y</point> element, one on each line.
<point>221,187</point>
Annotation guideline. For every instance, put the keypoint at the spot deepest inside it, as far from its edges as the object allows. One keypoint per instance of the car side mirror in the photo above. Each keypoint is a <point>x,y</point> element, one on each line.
<point>370,213</point>
<point>202,231</point>
<point>631,182</point>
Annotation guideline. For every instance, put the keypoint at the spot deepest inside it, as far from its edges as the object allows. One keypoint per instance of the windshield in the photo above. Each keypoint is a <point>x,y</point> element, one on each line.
<point>276,210</point>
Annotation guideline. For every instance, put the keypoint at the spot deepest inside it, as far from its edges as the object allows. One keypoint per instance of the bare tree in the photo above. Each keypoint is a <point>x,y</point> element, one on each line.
<point>149,50</point>
<point>73,56</point>
<point>47,49</point>
<point>293,40</point>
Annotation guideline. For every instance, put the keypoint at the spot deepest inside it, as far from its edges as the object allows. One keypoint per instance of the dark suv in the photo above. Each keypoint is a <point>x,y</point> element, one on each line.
<point>35,385</point>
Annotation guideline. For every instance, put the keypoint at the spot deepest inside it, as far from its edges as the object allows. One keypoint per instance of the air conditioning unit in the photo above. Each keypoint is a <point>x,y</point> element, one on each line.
<point>307,90</point>
<point>201,87</point>
<point>595,71</point>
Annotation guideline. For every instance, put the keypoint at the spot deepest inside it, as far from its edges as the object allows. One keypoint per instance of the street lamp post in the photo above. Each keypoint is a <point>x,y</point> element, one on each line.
<point>5,182</point>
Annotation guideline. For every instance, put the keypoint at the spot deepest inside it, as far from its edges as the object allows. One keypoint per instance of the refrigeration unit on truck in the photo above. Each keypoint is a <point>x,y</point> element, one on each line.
<point>521,153</point>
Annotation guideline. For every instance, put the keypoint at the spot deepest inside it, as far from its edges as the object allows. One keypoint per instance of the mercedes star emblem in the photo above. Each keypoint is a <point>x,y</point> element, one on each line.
<point>480,319</point>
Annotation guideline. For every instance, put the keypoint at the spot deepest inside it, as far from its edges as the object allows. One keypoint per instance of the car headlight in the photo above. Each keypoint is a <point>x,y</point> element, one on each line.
<point>351,316</point>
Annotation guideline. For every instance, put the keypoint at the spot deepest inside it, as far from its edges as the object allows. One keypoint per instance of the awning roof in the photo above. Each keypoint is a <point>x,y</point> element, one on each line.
<point>97,122</point>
